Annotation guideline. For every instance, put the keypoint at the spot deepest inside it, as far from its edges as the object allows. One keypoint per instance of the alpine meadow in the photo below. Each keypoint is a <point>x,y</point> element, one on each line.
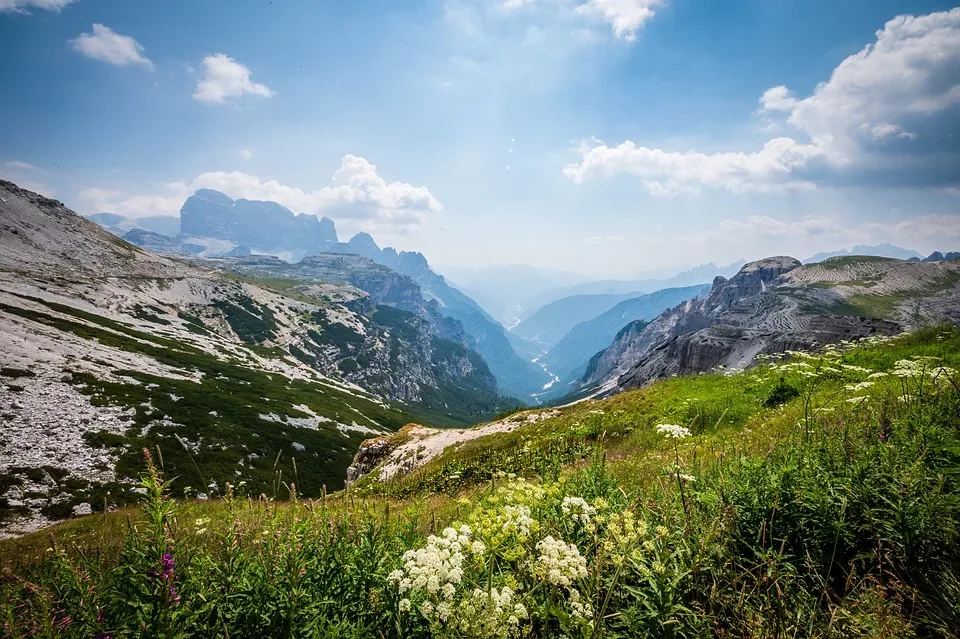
<point>479,319</point>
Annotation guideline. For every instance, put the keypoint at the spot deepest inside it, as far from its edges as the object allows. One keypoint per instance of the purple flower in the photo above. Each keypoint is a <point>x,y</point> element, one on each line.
<point>167,565</point>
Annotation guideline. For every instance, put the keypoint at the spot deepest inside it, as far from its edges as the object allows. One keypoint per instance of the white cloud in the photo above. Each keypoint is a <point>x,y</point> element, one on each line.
<point>669,173</point>
<point>23,6</point>
<point>853,122</point>
<point>357,194</point>
<point>515,4</point>
<point>246,154</point>
<point>104,44</point>
<point>909,71</point>
<point>225,78</point>
<point>886,130</point>
<point>98,200</point>
<point>603,239</point>
<point>625,16</point>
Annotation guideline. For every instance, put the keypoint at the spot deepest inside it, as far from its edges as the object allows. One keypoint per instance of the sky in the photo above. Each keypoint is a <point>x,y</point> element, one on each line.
<point>603,137</point>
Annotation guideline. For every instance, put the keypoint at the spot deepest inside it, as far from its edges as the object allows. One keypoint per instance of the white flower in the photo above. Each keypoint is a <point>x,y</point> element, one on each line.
<point>559,563</point>
<point>579,509</point>
<point>672,431</point>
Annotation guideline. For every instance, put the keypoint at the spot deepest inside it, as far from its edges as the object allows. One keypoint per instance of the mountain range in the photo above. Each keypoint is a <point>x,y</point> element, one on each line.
<point>106,349</point>
<point>214,225</point>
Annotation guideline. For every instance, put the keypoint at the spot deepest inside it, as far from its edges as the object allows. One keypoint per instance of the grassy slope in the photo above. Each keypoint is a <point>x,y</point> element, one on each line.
<point>841,523</point>
<point>220,416</point>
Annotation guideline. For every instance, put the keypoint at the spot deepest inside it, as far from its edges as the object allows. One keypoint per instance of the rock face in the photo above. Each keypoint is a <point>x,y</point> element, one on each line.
<point>264,225</point>
<point>774,305</point>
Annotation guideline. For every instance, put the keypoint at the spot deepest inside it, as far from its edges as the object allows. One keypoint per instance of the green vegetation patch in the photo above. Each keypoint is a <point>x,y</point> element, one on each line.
<point>253,323</point>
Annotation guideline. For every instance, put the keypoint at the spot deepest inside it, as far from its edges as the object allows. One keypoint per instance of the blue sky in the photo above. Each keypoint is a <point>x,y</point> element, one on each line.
<point>606,137</point>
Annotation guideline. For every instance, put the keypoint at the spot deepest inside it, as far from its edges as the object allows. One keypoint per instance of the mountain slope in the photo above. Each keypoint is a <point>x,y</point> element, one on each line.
<point>689,277</point>
<point>571,354</point>
<point>774,305</point>
<point>106,349</point>
<point>550,323</point>
<point>516,376</point>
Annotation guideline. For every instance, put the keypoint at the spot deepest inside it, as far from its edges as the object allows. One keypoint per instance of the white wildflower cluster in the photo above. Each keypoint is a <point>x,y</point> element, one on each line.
<point>435,571</point>
<point>516,521</point>
<point>859,386</point>
<point>559,563</point>
<point>580,609</point>
<point>579,509</point>
<point>920,367</point>
<point>490,614</point>
<point>672,431</point>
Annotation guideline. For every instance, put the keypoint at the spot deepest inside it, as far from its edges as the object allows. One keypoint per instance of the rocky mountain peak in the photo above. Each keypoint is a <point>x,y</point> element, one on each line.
<point>363,243</point>
<point>753,278</point>
<point>258,224</point>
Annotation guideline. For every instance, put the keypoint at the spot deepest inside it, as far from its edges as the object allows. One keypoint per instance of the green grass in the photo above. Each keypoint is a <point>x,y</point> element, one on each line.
<point>790,511</point>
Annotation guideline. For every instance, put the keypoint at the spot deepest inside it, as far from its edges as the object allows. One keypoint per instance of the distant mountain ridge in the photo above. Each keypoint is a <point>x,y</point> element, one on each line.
<point>569,357</point>
<point>253,223</point>
<point>214,225</point>
<point>879,250</point>
<point>625,288</point>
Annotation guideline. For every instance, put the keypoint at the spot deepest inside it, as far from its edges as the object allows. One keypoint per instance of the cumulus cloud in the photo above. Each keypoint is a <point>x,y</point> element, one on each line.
<point>224,79</point>
<point>246,154</point>
<point>864,119</point>
<point>357,194</point>
<point>24,6</point>
<point>668,173</point>
<point>625,16</point>
<point>104,44</point>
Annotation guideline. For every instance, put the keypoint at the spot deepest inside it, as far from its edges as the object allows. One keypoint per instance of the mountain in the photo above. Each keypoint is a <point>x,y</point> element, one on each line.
<point>227,227</point>
<point>690,277</point>
<point>878,250</point>
<point>937,256</point>
<point>569,357</point>
<point>261,225</point>
<point>515,375</point>
<point>106,349</point>
<point>505,291</point>
<point>777,304</point>
<point>550,323</point>
<point>168,225</point>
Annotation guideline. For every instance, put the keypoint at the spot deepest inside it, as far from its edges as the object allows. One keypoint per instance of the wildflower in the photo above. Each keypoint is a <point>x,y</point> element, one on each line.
<point>493,614</point>
<point>672,431</point>
<point>559,563</point>
<point>579,509</point>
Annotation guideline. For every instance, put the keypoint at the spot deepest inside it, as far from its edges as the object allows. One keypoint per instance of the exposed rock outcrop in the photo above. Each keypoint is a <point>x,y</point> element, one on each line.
<point>775,304</point>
